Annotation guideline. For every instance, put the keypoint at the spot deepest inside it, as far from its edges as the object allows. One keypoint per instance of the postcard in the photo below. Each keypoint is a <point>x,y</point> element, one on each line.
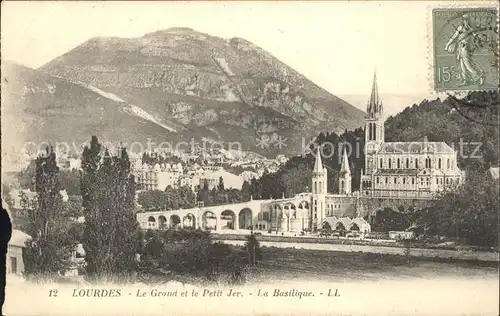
<point>250,158</point>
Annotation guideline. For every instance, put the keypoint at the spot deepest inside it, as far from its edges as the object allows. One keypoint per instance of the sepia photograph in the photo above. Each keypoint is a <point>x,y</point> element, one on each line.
<point>250,158</point>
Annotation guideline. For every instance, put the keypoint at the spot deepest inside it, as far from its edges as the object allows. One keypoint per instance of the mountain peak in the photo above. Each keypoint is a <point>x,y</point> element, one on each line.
<point>170,31</point>
<point>230,90</point>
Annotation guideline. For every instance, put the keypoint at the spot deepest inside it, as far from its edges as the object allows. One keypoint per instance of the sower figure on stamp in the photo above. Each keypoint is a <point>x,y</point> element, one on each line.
<point>462,44</point>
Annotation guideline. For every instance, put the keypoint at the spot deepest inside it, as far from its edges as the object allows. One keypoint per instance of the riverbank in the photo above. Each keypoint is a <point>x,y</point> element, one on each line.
<point>427,254</point>
<point>352,241</point>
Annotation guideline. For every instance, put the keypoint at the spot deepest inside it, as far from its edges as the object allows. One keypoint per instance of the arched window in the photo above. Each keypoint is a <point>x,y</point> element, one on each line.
<point>427,162</point>
<point>369,131</point>
<point>315,187</point>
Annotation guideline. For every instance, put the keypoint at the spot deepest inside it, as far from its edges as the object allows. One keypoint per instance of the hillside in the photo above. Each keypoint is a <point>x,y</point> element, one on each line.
<point>207,86</point>
<point>477,145</point>
<point>40,108</point>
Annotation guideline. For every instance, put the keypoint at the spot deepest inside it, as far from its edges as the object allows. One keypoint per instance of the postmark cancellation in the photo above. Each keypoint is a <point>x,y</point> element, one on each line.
<point>465,49</point>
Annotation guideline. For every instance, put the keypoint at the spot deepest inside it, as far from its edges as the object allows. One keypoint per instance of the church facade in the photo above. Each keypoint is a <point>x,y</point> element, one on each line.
<point>404,169</point>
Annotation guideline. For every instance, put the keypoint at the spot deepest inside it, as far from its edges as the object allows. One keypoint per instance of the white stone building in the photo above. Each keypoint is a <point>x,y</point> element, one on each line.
<point>15,262</point>
<point>157,177</point>
<point>404,169</point>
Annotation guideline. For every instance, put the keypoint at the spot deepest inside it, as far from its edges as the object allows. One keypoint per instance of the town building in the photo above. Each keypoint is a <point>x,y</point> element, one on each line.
<point>15,248</point>
<point>27,199</point>
<point>157,177</point>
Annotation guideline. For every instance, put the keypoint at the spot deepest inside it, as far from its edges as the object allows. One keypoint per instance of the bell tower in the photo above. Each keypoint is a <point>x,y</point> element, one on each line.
<point>374,127</point>
<point>319,188</point>
<point>345,175</point>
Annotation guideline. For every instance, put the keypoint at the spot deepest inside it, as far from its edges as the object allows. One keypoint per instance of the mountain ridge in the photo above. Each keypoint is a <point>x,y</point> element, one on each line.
<point>203,85</point>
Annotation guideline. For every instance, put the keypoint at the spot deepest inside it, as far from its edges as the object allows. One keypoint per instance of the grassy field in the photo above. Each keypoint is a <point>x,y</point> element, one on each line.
<point>313,265</point>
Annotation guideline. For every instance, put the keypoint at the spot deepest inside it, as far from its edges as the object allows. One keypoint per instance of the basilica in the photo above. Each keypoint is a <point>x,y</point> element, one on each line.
<point>393,171</point>
<point>404,169</point>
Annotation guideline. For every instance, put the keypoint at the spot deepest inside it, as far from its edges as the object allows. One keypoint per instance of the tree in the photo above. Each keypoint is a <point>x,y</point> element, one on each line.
<point>154,199</point>
<point>187,197</point>
<point>255,189</point>
<point>108,192</point>
<point>173,198</point>
<point>252,247</point>
<point>245,191</point>
<point>49,250</point>
<point>235,196</point>
<point>213,196</point>
<point>203,193</point>
<point>220,186</point>
<point>70,181</point>
<point>469,212</point>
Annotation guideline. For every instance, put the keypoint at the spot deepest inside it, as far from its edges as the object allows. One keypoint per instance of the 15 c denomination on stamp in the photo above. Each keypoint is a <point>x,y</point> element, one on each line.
<point>465,52</point>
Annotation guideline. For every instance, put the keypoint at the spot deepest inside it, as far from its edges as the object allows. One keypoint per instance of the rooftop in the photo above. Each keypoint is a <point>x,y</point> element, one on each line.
<point>415,147</point>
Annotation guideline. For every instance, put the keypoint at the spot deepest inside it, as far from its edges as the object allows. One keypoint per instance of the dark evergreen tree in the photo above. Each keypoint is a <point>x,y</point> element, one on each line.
<point>220,186</point>
<point>49,250</point>
<point>203,193</point>
<point>110,229</point>
<point>245,191</point>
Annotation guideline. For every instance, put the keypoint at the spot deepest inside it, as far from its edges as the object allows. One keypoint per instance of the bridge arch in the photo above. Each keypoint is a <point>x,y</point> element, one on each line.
<point>162,222</point>
<point>175,220</point>
<point>209,220</point>
<point>228,220</point>
<point>245,218</point>
<point>189,221</point>
<point>151,222</point>
<point>303,205</point>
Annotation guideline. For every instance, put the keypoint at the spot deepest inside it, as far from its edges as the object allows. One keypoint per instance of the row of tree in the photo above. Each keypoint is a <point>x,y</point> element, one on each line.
<point>170,199</point>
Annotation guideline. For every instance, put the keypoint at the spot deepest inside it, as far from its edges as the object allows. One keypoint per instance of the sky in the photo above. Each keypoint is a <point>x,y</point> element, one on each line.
<point>337,45</point>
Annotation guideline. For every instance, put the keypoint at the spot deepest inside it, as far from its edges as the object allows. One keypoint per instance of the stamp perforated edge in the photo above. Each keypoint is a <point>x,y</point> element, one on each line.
<point>430,41</point>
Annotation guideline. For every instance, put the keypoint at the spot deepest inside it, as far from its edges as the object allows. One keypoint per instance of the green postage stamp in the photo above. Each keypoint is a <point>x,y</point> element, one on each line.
<point>465,51</point>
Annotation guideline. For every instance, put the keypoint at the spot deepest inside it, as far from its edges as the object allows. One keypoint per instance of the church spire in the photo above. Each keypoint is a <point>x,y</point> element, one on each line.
<point>374,105</point>
<point>318,164</point>
<point>344,167</point>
